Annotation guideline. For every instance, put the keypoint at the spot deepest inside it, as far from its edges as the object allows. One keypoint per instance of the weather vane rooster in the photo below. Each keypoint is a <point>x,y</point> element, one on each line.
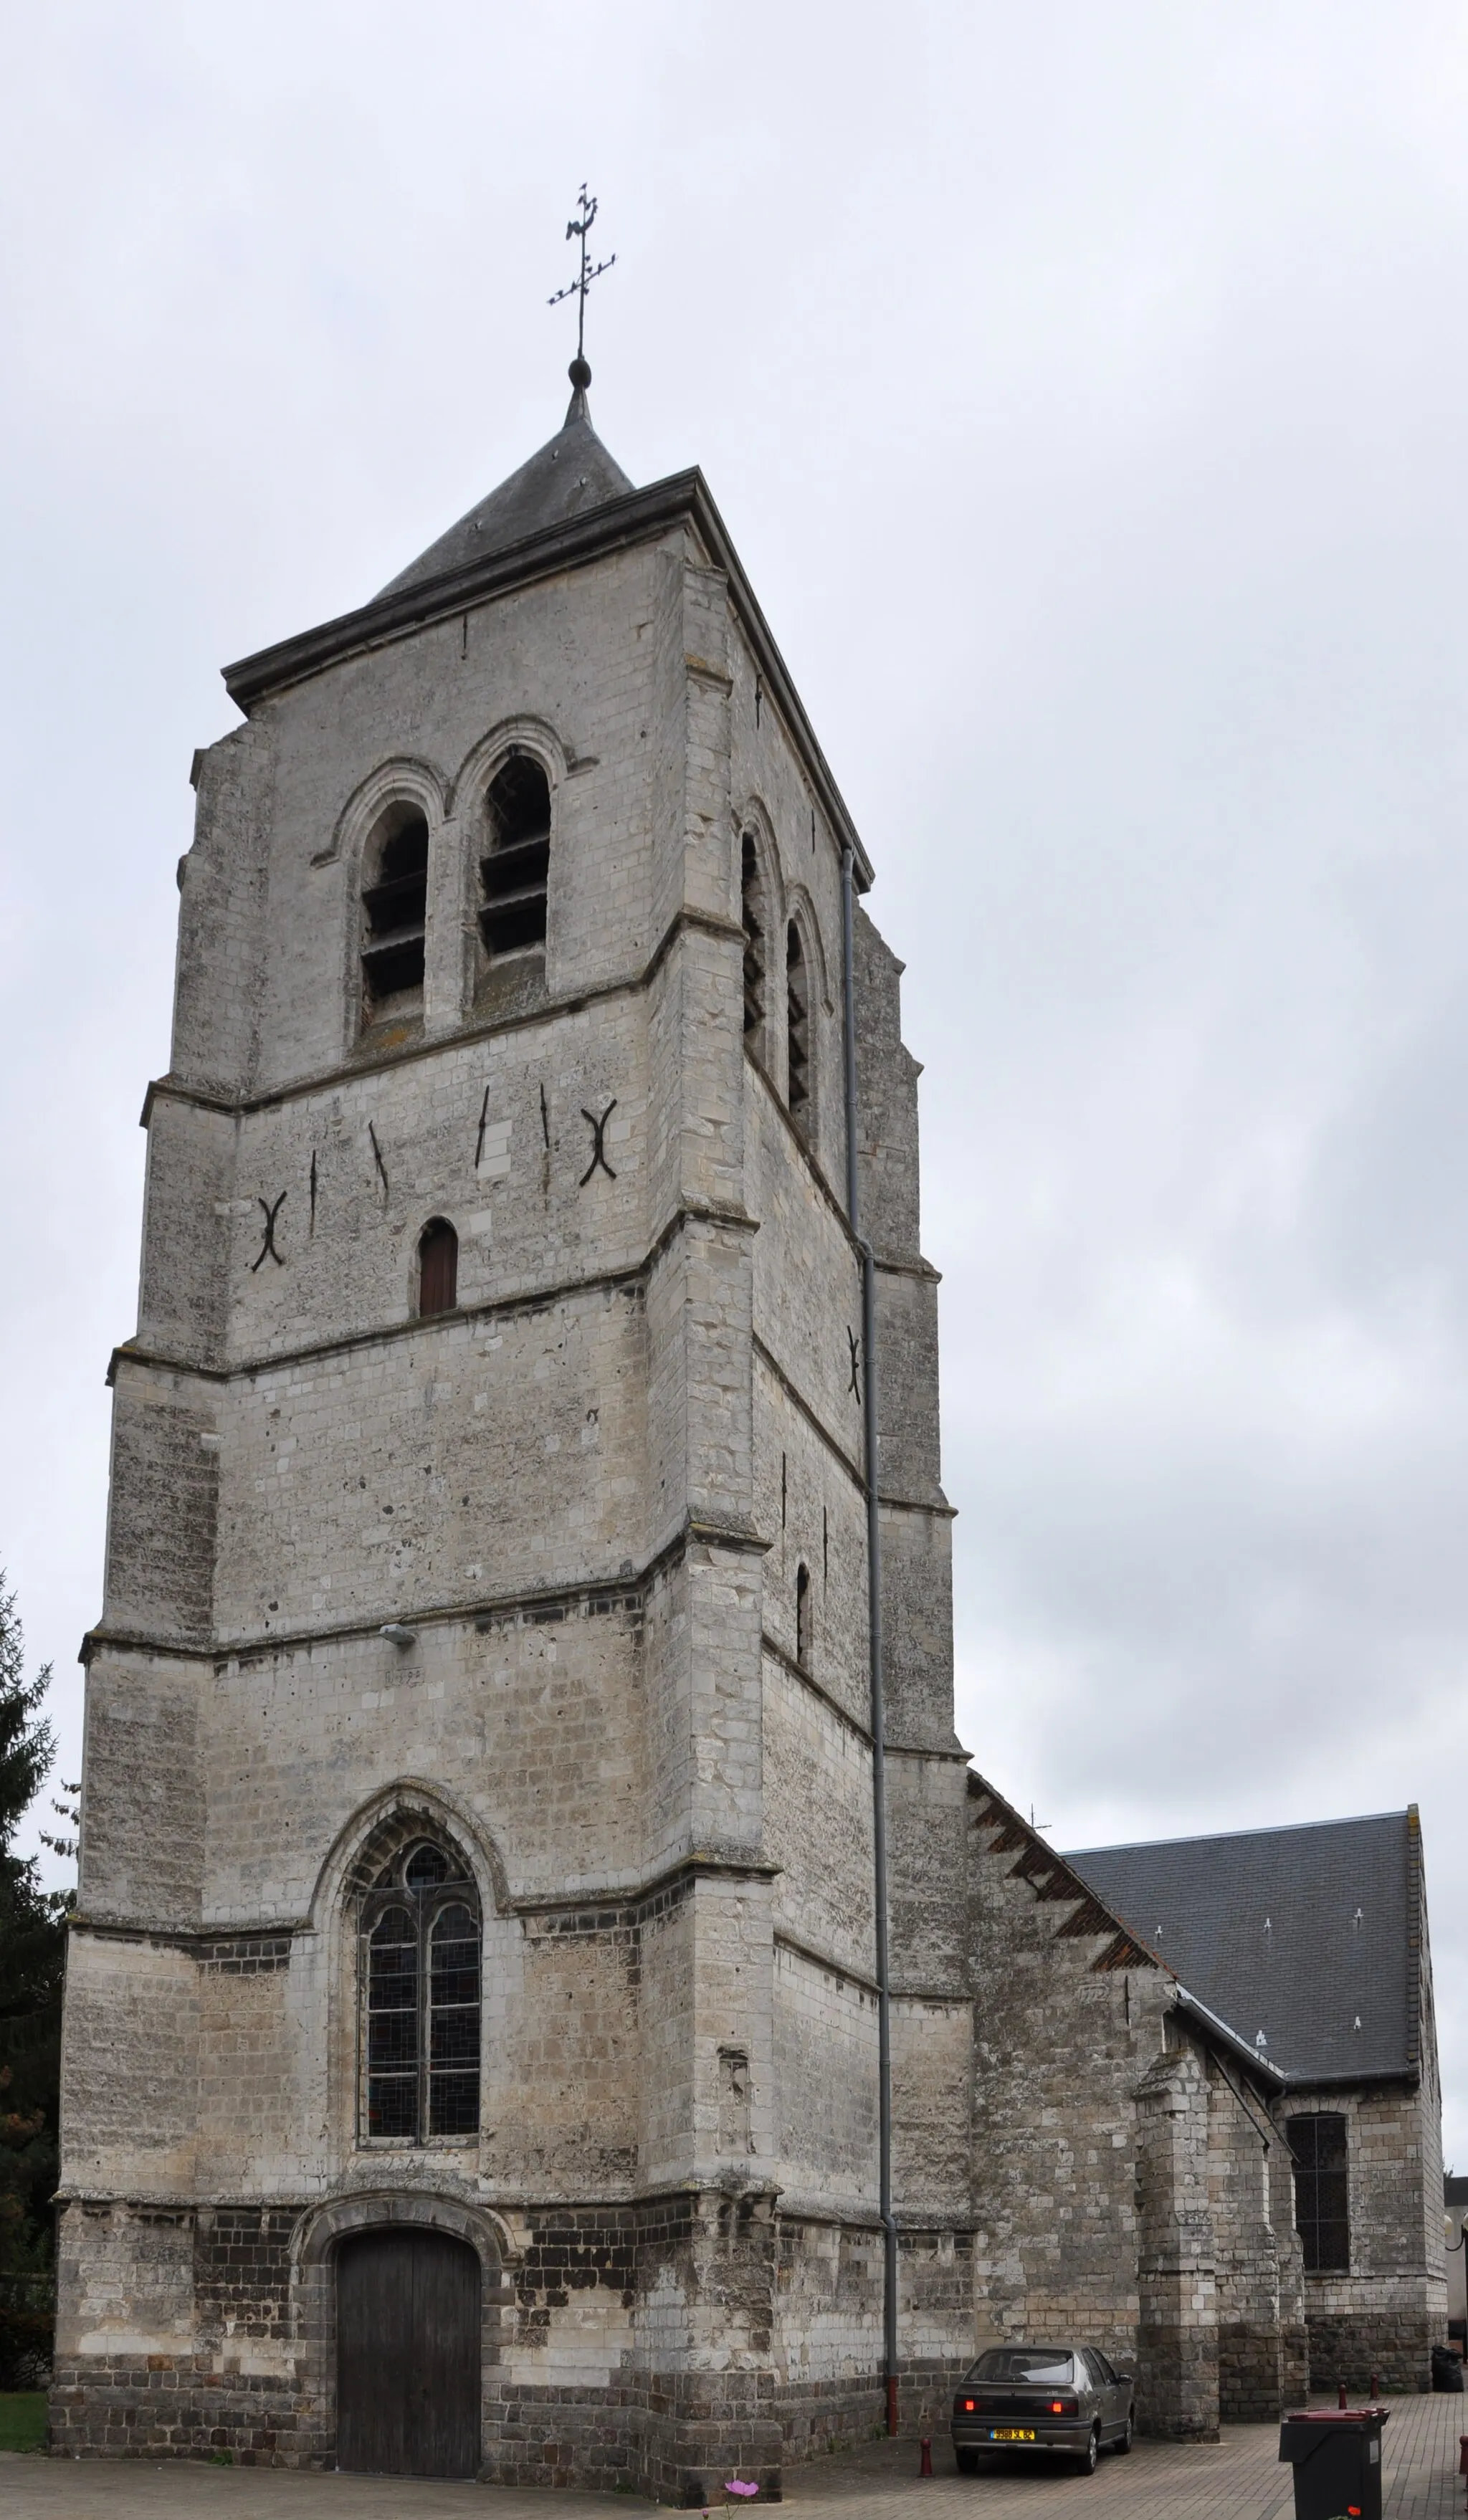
<point>580,373</point>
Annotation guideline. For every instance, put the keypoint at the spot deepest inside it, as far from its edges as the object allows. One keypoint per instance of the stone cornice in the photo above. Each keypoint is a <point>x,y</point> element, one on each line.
<point>348,1071</point>
<point>485,1611</point>
<point>519,1300</point>
<point>612,1903</point>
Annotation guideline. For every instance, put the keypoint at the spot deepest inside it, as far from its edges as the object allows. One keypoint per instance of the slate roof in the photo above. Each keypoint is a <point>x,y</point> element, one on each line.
<point>1298,1932</point>
<point>569,474</point>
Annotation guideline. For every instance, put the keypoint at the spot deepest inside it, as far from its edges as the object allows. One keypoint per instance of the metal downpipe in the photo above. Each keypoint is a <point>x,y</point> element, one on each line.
<point>874,1634</point>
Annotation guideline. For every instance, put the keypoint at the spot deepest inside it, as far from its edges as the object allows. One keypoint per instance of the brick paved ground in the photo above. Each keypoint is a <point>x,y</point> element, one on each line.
<point>1236,2479</point>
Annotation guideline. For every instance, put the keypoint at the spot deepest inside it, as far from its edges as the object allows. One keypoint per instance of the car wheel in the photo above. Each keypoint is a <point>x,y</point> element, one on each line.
<point>1086,2463</point>
<point>968,2461</point>
<point>1128,2436</point>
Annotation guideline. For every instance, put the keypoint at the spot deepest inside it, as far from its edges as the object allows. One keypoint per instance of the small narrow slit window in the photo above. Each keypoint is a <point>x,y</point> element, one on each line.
<point>803,1617</point>
<point>437,1267</point>
<point>515,868</point>
<point>797,1029</point>
<point>422,1937</point>
<point>394,915</point>
<point>751,915</point>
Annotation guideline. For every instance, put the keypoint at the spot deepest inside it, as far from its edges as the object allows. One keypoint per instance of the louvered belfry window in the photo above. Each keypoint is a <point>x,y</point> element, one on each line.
<point>1322,2211</point>
<point>394,915</point>
<point>752,918</point>
<point>515,868</point>
<point>420,1944</point>
<point>798,1028</point>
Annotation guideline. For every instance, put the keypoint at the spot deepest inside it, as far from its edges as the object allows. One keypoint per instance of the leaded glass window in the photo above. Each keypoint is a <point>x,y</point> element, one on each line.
<point>421,1945</point>
<point>1322,2213</point>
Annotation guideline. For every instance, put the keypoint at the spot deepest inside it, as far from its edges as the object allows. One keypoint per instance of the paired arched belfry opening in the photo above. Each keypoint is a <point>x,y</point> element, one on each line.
<point>395,914</point>
<point>753,916</point>
<point>515,868</point>
<point>797,1029</point>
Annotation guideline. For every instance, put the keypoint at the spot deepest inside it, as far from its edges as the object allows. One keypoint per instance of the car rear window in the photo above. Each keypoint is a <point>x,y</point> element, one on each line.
<point>1043,2366</point>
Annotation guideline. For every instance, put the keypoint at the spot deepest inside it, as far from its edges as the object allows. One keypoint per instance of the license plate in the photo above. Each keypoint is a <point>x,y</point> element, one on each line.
<point>1012,2432</point>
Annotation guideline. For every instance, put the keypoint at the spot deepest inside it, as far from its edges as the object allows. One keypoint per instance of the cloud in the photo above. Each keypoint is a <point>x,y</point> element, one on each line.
<point>1087,394</point>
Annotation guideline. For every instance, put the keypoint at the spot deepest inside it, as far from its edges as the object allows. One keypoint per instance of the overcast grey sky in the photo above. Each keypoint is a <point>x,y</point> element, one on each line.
<point>1085,386</point>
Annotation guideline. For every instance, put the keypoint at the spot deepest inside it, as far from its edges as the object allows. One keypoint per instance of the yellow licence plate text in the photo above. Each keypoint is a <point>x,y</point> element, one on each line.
<point>1012,2432</point>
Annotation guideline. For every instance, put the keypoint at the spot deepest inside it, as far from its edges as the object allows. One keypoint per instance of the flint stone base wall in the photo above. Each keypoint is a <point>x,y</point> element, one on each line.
<point>1396,2345</point>
<point>249,2293</point>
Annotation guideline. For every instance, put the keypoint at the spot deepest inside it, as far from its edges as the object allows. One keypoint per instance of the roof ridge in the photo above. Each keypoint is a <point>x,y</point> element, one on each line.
<point>1217,1837</point>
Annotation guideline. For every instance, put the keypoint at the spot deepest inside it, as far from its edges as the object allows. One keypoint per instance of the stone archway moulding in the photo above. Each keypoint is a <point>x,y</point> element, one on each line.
<point>381,2209</point>
<point>410,1800</point>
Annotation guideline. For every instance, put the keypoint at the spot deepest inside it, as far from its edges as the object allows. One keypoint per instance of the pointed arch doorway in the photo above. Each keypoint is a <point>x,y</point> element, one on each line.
<point>408,2353</point>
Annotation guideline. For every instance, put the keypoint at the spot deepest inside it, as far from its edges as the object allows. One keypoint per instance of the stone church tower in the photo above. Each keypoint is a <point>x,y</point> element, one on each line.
<point>472,2024</point>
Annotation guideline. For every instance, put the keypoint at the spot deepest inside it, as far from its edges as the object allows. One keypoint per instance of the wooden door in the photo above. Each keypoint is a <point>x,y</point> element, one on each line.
<point>407,2355</point>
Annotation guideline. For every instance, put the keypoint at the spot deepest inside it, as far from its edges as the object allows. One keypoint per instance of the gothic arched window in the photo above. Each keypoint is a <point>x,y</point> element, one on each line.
<point>797,1029</point>
<point>753,917</point>
<point>394,915</point>
<point>421,1997</point>
<point>437,1267</point>
<point>516,867</point>
<point>803,1617</point>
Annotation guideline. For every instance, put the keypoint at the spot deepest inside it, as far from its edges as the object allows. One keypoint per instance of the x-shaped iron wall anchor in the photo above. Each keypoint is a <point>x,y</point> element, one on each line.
<point>267,1246</point>
<point>854,1344</point>
<point>599,1151</point>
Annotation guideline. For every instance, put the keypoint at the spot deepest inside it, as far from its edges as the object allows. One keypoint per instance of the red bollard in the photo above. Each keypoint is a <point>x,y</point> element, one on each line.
<point>925,2463</point>
<point>1341,2394</point>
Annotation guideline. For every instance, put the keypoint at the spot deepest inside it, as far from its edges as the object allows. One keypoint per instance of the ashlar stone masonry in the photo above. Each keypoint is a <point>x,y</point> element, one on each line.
<point>554,1593</point>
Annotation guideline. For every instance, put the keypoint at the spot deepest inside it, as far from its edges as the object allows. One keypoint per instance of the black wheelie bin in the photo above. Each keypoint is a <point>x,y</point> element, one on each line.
<point>1335,2456</point>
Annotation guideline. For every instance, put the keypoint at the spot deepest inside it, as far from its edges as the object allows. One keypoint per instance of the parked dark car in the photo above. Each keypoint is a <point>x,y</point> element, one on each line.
<point>1051,2398</point>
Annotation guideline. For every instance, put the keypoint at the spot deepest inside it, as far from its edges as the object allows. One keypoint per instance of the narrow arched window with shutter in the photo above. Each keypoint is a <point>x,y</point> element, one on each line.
<point>803,1617</point>
<point>437,1267</point>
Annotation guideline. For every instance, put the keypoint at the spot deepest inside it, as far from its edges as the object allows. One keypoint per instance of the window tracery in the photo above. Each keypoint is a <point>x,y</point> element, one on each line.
<point>421,1956</point>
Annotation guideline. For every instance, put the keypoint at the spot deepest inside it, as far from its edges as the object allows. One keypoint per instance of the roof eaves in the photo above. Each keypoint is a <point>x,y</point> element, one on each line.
<point>615,524</point>
<point>1218,2029</point>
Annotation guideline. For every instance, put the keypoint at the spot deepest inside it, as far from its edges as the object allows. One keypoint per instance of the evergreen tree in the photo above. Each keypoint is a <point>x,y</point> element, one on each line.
<point>32,1955</point>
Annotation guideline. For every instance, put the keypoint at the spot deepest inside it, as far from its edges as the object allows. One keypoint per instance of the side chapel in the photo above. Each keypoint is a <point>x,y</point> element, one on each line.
<point>473,2007</point>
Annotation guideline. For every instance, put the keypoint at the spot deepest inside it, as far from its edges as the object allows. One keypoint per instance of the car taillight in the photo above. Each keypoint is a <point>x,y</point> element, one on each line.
<point>1062,2407</point>
<point>968,2405</point>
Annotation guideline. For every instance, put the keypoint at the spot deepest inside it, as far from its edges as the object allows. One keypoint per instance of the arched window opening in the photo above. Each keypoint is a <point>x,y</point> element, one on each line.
<point>803,1617</point>
<point>394,915</point>
<point>1322,2207</point>
<point>437,1267</point>
<point>798,1028</point>
<point>514,871</point>
<point>751,914</point>
<point>422,1948</point>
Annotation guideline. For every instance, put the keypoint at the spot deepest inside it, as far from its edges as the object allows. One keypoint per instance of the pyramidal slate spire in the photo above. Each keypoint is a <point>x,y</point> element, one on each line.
<point>571,474</point>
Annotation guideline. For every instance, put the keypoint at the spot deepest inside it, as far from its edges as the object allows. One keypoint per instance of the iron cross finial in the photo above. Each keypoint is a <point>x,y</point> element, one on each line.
<point>580,373</point>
